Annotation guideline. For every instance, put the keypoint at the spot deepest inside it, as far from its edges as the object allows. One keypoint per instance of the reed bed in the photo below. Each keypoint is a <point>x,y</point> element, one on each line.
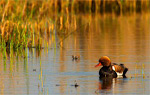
<point>29,23</point>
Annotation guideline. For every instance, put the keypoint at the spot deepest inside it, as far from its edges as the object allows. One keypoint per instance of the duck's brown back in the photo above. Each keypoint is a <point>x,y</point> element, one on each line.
<point>118,68</point>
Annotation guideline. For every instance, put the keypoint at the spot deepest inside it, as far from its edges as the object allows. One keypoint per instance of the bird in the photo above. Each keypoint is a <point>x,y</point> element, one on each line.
<point>75,57</point>
<point>111,69</point>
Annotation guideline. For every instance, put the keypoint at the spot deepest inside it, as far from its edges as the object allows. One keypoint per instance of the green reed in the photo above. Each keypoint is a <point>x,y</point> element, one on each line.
<point>27,24</point>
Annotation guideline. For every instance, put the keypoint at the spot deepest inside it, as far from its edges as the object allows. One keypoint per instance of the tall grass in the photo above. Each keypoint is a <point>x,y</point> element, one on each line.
<point>27,24</point>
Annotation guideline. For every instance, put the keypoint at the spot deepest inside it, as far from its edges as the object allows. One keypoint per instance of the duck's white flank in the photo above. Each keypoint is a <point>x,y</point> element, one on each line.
<point>119,74</point>
<point>113,68</point>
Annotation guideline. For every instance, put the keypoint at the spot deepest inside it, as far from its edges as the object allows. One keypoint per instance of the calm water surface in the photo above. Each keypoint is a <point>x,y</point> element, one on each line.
<point>125,39</point>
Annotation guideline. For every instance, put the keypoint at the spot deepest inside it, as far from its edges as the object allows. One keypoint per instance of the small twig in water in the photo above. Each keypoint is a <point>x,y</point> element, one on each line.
<point>70,34</point>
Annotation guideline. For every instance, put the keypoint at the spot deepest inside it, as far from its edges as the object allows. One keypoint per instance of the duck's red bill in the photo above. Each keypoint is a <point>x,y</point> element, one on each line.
<point>99,64</point>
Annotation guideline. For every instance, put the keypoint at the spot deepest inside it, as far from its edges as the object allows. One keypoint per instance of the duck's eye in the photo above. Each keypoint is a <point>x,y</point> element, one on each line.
<point>102,62</point>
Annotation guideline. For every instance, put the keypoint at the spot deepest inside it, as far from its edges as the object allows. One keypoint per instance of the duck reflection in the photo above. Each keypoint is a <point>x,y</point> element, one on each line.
<point>105,82</point>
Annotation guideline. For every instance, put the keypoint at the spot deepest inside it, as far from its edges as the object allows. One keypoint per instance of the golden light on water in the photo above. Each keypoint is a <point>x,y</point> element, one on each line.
<point>38,39</point>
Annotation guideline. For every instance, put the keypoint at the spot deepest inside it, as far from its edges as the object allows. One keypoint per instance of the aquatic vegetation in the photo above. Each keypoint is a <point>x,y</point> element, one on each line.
<point>36,24</point>
<point>37,39</point>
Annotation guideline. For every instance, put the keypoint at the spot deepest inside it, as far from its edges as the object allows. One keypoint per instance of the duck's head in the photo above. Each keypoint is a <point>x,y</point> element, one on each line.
<point>105,61</point>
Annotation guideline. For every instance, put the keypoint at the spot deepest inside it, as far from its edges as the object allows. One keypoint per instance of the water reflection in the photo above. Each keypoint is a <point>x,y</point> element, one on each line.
<point>125,39</point>
<point>105,83</point>
<point>108,85</point>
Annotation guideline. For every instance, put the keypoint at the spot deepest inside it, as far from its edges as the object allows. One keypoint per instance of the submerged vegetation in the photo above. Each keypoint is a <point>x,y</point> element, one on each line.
<point>32,24</point>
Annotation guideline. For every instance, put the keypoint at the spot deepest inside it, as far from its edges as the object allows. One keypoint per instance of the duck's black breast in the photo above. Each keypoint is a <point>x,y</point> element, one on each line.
<point>107,72</point>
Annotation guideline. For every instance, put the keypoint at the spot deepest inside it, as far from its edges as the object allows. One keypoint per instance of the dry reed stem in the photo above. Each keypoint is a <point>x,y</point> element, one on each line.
<point>24,10</point>
<point>5,10</point>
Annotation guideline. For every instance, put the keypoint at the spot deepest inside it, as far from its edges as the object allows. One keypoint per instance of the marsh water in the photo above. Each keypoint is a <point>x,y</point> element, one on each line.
<point>51,70</point>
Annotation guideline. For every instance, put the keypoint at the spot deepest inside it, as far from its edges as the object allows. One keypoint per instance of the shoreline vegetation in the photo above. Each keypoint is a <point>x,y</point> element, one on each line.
<point>27,24</point>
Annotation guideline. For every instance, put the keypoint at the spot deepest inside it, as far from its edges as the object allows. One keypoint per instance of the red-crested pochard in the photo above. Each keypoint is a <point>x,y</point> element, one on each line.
<point>111,69</point>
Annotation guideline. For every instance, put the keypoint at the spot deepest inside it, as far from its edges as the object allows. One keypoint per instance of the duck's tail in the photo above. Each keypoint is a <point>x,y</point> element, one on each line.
<point>125,71</point>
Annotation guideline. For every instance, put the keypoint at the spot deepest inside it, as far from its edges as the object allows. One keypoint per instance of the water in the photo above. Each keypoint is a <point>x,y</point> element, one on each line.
<point>125,39</point>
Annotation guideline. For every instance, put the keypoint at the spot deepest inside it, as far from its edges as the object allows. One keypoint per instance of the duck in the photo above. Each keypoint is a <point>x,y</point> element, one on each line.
<point>75,57</point>
<point>111,69</point>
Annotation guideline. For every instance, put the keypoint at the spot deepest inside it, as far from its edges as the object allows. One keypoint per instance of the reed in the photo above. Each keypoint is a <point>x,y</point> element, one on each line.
<point>29,24</point>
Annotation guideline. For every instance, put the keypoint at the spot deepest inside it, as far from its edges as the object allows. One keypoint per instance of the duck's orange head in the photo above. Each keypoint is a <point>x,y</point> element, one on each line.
<point>105,61</point>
